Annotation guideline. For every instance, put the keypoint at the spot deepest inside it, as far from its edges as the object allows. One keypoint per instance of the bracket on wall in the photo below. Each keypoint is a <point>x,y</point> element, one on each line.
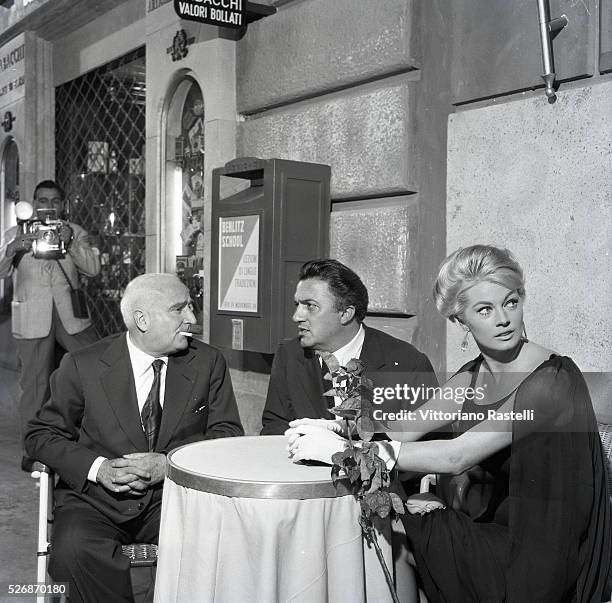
<point>180,44</point>
<point>549,29</point>
<point>252,12</point>
<point>255,11</point>
<point>7,122</point>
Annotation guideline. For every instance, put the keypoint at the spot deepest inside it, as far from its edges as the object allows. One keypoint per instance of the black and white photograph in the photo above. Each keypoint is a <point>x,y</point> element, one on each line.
<point>306,301</point>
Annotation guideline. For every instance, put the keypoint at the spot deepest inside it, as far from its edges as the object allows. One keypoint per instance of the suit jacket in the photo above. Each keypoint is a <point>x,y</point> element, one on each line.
<point>38,284</point>
<point>296,388</point>
<point>93,411</point>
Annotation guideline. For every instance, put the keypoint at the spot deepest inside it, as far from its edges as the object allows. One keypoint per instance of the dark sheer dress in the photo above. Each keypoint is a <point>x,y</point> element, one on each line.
<point>542,533</point>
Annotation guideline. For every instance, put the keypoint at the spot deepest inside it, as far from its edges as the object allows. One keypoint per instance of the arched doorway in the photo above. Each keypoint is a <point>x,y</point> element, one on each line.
<point>183,236</point>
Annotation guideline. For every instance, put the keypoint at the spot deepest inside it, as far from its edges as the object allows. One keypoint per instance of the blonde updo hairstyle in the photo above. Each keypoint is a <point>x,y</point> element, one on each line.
<point>466,267</point>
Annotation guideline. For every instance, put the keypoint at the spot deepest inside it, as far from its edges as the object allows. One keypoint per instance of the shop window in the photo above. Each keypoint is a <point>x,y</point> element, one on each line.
<point>184,248</point>
<point>9,195</point>
<point>100,161</point>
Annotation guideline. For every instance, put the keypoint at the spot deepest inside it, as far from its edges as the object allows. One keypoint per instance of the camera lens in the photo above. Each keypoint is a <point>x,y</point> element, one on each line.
<point>50,236</point>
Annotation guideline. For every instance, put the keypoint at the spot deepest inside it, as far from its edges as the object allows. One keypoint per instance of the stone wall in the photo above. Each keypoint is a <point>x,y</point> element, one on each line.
<point>334,83</point>
<point>364,87</point>
<point>339,83</point>
<point>536,177</point>
<point>496,45</point>
<point>367,87</point>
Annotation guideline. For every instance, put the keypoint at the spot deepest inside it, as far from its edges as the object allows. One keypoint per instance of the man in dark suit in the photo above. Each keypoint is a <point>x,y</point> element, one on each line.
<point>330,305</point>
<point>116,408</point>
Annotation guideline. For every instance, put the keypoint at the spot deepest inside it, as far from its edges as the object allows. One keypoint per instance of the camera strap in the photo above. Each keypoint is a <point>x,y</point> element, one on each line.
<point>17,258</point>
<point>65,275</point>
<point>77,297</point>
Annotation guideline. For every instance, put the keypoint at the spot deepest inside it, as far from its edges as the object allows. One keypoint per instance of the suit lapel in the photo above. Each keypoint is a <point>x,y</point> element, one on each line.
<point>116,380</point>
<point>372,355</point>
<point>309,379</point>
<point>311,383</point>
<point>309,375</point>
<point>180,380</point>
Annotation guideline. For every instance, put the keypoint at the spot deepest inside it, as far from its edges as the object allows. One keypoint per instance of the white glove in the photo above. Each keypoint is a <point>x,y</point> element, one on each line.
<point>337,425</point>
<point>311,443</point>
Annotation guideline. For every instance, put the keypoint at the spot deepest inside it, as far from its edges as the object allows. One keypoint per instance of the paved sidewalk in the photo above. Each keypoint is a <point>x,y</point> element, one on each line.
<point>18,499</point>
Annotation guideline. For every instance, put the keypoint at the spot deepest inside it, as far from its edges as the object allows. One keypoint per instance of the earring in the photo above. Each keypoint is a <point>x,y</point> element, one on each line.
<point>525,340</point>
<point>465,342</point>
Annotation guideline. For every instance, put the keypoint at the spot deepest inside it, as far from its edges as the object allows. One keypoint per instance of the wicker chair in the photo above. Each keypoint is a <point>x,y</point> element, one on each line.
<point>143,557</point>
<point>605,432</point>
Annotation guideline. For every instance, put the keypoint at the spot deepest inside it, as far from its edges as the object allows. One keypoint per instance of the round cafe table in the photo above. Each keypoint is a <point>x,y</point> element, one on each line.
<point>240,522</point>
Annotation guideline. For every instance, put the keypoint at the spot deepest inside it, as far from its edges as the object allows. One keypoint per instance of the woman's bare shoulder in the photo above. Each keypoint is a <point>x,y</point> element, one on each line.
<point>533,355</point>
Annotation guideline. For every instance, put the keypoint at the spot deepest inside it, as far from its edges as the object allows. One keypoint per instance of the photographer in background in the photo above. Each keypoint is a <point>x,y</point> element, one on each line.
<point>42,307</point>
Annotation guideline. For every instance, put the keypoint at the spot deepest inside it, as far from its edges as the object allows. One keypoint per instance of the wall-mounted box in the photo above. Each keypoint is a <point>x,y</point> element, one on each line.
<point>260,238</point>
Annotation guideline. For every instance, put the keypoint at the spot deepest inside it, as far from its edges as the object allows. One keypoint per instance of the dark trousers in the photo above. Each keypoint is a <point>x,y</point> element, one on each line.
<point>86,551</point>
<point>38,361</point>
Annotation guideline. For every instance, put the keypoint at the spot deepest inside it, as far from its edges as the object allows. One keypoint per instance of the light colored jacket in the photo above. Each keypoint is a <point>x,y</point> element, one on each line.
<point>38,284</point>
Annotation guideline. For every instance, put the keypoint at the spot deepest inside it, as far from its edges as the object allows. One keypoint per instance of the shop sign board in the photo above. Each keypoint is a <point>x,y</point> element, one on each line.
<point>238,263</point>
<point>12,70</point>
<point>223,13</point>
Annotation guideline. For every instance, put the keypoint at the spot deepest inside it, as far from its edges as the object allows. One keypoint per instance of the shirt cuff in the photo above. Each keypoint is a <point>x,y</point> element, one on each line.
<point>388,451</point>
<point>92,476</point>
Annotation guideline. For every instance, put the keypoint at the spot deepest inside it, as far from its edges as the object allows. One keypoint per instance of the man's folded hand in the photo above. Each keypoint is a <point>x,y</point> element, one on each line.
<point>154,463</point>
<point>115,475</point>
<point>133,473</point>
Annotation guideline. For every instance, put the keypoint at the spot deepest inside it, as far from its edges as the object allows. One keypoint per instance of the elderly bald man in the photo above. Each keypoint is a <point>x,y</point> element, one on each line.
<point>116,408</point>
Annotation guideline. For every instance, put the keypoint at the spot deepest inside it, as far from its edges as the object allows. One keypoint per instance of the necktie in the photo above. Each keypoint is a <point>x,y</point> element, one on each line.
<point>151,411</point>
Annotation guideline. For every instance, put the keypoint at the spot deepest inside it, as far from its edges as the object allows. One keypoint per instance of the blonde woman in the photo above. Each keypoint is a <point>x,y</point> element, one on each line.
<point>541,529</point>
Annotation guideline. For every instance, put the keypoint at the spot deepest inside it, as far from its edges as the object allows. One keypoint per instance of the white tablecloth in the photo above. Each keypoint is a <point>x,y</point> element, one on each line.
<point>225,548</point>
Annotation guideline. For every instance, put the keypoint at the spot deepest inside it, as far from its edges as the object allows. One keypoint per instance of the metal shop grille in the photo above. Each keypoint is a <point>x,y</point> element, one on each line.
<point>100,147</point>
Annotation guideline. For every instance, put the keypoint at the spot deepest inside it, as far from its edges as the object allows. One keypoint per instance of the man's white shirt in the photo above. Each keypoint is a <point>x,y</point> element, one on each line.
<point>143,379</point>
<point>387,450</point>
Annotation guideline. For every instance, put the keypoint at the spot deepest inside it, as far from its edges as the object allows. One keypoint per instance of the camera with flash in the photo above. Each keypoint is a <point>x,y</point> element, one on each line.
<point>42,228</point>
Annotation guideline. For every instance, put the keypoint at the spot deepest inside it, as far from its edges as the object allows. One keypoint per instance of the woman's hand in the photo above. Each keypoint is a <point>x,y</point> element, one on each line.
<point>312,443</point>
<point>336,425</point>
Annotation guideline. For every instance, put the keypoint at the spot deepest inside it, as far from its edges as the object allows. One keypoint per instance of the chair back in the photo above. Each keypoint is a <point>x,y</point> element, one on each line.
<point>605,433</point>
<point>140,554</point>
